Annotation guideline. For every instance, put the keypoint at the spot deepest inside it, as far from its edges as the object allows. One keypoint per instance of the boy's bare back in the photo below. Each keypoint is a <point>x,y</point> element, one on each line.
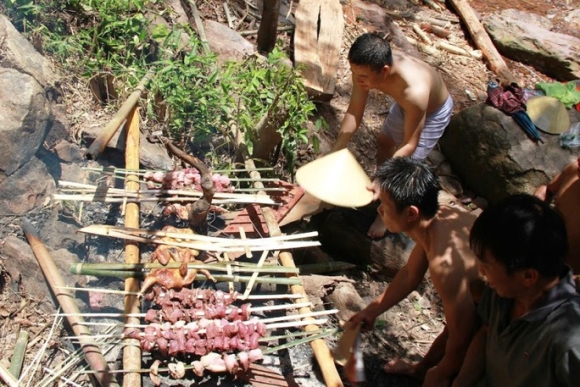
<point>415,80</point>
<point>449,253</point>
<point>566,189</point>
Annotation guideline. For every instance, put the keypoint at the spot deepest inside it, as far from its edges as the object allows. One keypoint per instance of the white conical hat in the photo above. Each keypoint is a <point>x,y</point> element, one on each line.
<point>548,114</point>
<point>336,178</point>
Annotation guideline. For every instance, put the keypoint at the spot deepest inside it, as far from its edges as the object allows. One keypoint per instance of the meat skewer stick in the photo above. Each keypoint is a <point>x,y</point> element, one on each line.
<point>292,324</point>
<point>264,352</point>
<point>123,292</point>
<point>253,309</point>
<point>271,319</point>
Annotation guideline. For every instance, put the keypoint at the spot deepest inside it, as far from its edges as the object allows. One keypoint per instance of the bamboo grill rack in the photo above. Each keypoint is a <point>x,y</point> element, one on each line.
<point>132,195</point>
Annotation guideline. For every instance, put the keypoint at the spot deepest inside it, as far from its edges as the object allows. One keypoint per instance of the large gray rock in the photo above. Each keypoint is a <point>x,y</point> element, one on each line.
<point>24,119</point>
<point>26,189</point>
<point>226,43</point>
<point>494,158</point>
<point>23,268</point>
<point>19,54</point>
<point>527,39</point>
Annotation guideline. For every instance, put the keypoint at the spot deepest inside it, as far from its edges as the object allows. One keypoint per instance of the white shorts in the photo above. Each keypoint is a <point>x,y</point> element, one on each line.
<point>435,124</point>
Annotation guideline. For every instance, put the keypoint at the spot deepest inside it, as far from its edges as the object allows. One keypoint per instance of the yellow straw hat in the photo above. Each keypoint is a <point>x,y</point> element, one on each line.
<point>548,114</point>
<point>336,178</point>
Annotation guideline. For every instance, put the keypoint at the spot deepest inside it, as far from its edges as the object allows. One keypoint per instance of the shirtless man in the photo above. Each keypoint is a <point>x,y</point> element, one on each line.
<point>408,194</point>
<point>416,120</point>
<point>565,189</point>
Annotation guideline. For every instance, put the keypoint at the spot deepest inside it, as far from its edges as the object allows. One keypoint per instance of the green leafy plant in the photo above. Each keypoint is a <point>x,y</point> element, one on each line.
<point>192,97</point>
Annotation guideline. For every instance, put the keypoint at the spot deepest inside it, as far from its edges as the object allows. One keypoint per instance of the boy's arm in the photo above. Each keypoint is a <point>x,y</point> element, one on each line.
<point>414,104</point>
<point>352,118</point>
<point>406,280</point>
<point>473,367</point>
<point>451,283</point>
<point>546,192</point>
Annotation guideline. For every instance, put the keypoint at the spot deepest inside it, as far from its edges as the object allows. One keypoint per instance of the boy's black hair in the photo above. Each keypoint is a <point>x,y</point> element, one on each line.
<point>410,182</point>
<point>370,50</point>
<point>522,232</point>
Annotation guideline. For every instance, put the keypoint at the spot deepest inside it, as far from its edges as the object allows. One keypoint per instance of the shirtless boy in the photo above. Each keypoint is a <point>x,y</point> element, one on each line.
<point>416,120</point>
<point>408,194</point>
<point>565,190</point>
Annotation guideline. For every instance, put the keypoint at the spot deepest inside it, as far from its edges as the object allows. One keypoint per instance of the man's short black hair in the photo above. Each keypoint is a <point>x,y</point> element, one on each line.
<point>410,182</point>
<point>370,50</point>
<point>522,232</point>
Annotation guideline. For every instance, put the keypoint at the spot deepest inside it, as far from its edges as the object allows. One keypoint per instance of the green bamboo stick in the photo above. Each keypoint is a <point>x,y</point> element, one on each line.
<point>18,354</point>
<point>76,268</point>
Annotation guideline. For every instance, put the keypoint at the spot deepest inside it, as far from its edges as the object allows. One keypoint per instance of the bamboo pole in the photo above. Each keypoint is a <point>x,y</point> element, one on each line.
<point>98,146</point>
<point>132,349</point>
<point>93,355</point>
<point>319,347</point>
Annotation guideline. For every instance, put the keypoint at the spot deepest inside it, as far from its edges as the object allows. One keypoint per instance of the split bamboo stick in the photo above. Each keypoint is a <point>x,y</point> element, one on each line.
<point>132,349</point>
<point>93,355</point>
<point>100,143</point>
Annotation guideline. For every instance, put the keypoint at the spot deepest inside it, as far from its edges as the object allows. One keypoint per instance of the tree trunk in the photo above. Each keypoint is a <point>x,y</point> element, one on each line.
<point>267,33</point>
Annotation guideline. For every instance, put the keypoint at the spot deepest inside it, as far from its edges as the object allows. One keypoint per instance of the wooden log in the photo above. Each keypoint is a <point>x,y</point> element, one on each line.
<point>422,34</point>
<point>132,349</point>
<point>100,143</point>
<point>436,30</point>
<point>317,44</point>
<point>483,41</point>
<point>92,352</point>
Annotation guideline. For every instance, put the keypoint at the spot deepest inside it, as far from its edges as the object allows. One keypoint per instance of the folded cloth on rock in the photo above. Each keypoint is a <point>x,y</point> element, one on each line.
<point>511,100</point>
<point>565,92</point>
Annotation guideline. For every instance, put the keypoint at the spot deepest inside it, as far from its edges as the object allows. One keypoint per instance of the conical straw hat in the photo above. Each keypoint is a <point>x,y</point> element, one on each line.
<point>336,178</point>
<point>548,114</point>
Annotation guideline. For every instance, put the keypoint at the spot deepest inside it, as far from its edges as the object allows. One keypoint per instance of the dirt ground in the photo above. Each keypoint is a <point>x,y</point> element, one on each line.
<point>407,330</point>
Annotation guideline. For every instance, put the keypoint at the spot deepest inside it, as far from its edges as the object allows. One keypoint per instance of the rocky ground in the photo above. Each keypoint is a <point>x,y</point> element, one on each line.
<point>405,331</point>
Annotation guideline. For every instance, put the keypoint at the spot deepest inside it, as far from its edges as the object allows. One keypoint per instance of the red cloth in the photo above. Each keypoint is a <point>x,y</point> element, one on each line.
<point>509,100</point>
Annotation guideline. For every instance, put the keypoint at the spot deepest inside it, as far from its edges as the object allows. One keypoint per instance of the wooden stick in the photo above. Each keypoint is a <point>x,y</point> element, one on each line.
<point>106,230</point>
<point>458,50</point>
<point>246,248</point>
<point>100,143</point>
<point>483,42</point>
<point>250,284</point>
<point>93,355</point>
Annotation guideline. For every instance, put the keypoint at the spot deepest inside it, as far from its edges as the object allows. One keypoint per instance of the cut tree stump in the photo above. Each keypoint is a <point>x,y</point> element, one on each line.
<point>317,43</point>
